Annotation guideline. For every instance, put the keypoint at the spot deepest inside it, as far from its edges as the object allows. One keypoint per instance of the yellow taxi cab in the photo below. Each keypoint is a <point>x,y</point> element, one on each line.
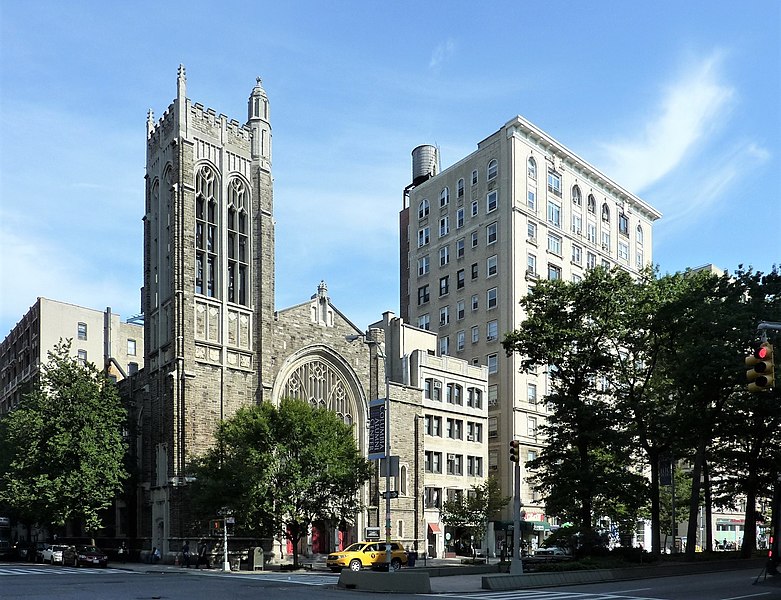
<point>366,554</point>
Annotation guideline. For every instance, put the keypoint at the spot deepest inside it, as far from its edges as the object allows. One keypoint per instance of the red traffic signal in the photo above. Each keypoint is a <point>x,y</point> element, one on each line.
<point>761,371</point>
<point>515,451</point>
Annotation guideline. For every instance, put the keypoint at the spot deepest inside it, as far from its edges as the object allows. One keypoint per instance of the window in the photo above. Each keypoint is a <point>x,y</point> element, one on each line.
<point>238,242</point>
<point>492,330</point>
<point>577,199</point>
<point>131,347</point>
<point>473,400</point>
<point>424,322</point>
<point>475,334</point>
<point>554,272</point>
<point>444,197</point>
<point>433,496</point>
<point>81,329</point>
<point>531,455</point>
<point>474,466</point>
<point>460,248</point>
<point>460,279</point>
<point>475,207</point>
<point>554,213</point>
<point>444,315</point>
<point>639,258</point>
<point>531,232</point>
<point>591,232</point>
<point>493,363</point>
<point>433,425</point>
<point>474,270</point>
<point>577,223</point>
<point>531,167</point>
<point>424,235</point>
<point>455,395</point>
<point>493,169</point>
<point>577,254</point>
<point>531,200</point>
<point>493,396</point>
<point>531,264</point>
<point>433,391</point>
<point>444,256</point>
<point>81,357</point>
<point>423,265</point>
<point>623,224</point>
<point>460,340</point>
<point>591,260</point>
<point>433,465</point>
<point>460,309</point>
<point>554,183</point>
<point>491,201</point>
<point>455,464</point>
<point>132,368</point>
<point>206,233</point>
<point>576,278</point>
<point>491,266</point>
<point>444,285</point>
<point>474,239</point>
<point>605,264</point>
<point>531,393</point>
<point>423,208</point>
<point>460,188</point>
<point>592,204</point>
<point>605,212</point>
<point>606,241</point>
<point>639,234</point>
<point>531,427</point>
<point>444,345</point>
<point>444,226</point>
<point>474,302</point>
<point>490,233</point>
<point>554,244</point>
<point>474,177</point>
<point>459,218</point>
<point>423,294</point>
<point>490,297</point>
<point>623,251</point>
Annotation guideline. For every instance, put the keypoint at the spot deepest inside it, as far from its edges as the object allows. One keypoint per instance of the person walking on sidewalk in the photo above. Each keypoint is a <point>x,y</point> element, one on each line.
<point>203,555</point>
<point>186,554</point>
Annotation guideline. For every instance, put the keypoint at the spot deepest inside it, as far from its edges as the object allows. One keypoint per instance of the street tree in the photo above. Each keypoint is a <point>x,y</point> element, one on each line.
<point>569,331</point>
<point>62,448</point>
<point>280,469</point>
<point>470,513</point>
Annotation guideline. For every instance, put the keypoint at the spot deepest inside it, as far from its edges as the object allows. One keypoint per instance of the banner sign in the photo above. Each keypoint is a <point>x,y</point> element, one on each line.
<point>377,429</point>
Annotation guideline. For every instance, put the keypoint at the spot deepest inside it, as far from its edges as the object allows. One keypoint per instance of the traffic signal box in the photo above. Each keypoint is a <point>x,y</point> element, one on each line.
<point>515,451</point>
<point>760,373</point>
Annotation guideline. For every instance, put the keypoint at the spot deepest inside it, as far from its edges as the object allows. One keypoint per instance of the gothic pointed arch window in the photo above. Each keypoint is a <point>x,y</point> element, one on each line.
<point>323,386</point>
<point>238,242</point>
<point>206,233</point>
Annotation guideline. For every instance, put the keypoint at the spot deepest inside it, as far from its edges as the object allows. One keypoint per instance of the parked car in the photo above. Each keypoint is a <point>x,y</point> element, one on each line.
<point>6,550</point>
<point>53,554</point>
<point>552,551</point>
<point>366,554</point>
<point>84,556</point>
<point>39,548</point>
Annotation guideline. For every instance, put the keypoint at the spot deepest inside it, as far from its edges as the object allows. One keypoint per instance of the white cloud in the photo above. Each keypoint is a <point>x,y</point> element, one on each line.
<point>691,108</point>
<point>441,53</point>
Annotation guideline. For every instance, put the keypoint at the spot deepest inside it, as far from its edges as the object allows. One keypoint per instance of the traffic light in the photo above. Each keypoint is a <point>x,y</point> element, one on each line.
<point>216,526</point>
<point>760,373</point>
<point>515,451</point>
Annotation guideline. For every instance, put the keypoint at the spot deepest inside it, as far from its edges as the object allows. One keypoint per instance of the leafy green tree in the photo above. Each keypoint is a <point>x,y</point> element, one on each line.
<point>470,513</point>
<point>281,469</point>
<point>570,330</point>
<point>62,448</point>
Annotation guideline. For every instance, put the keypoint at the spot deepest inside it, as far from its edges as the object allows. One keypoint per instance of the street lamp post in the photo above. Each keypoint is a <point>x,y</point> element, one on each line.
<point>381,353</point>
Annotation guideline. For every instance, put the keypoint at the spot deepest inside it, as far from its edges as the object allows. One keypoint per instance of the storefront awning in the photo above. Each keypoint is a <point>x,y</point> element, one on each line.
<point>434,528</point>
<point>525,525</point>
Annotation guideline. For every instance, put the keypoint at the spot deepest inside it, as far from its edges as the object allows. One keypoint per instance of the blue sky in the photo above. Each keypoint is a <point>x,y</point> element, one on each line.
<point>678,101</point>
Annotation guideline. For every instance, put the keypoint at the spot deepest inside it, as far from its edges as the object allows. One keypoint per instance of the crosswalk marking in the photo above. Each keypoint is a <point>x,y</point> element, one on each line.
<point>56,571</point>
<point>314,580</point>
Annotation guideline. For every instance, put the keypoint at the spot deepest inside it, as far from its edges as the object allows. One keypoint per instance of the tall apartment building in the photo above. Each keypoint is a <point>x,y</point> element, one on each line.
<point>99,337</point>
<point>476,236</point>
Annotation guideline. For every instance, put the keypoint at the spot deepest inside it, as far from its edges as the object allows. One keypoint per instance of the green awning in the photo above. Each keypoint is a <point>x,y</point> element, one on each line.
<point>525,525</point>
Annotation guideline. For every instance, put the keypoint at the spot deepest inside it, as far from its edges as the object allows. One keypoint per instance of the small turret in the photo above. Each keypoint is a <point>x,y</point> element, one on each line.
<point>260,123</point>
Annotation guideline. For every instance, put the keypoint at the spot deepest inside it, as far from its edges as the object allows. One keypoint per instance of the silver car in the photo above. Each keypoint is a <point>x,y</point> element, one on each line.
<point>53,554</point>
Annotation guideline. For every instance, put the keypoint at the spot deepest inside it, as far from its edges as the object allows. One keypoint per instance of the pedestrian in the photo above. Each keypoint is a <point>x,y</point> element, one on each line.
<point>186,554</point>
<point>203,555</point>
<point>123,552</point>
<point>155,555</point>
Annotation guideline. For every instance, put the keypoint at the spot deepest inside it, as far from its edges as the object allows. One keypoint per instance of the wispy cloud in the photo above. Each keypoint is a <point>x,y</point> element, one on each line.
<point>690,109</point>
<point>441,53</point>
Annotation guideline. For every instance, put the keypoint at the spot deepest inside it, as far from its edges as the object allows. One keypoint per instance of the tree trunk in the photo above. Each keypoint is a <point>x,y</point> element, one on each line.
<point>750,525</point>
<point>708,510</point>
<point>694,500</point>
<point>656,537</point>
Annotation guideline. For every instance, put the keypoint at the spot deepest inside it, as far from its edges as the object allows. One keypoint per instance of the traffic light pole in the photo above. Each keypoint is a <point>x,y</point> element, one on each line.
<point>516,564</point>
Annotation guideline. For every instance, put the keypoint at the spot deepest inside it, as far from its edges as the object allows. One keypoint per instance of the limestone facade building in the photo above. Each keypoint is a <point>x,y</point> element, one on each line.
<point>477,235</point>
<point>99,337</point>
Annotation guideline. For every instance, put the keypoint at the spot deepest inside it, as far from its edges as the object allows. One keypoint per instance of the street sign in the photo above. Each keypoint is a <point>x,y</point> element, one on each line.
<point>377,429</point>
<point>372,533</point>
<point>391,494</point>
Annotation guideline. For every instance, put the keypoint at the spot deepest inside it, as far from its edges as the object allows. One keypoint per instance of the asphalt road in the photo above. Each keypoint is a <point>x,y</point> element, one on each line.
<point>21,581</point>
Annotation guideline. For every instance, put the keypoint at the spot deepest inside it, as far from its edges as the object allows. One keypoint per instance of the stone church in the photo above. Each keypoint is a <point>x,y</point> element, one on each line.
<point>213,340</point>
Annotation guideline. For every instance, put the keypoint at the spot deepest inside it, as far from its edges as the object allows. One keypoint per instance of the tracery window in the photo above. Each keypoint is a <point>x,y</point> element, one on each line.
<point>206,236</point>
<point>238,242</point>
<point>322,386</point>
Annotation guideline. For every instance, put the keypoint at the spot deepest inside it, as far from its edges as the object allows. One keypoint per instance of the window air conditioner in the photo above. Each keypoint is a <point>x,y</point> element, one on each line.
<point>451,456</point>
<point>470,438</point>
